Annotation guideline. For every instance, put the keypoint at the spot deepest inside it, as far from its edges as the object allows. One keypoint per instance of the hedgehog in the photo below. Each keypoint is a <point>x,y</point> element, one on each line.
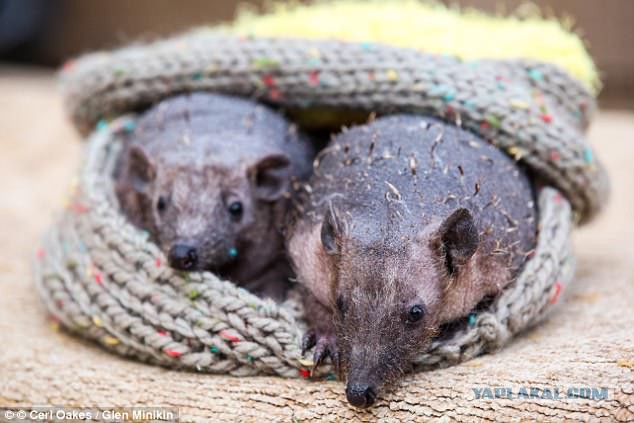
<point>406,225</point>
<point>209,177</point>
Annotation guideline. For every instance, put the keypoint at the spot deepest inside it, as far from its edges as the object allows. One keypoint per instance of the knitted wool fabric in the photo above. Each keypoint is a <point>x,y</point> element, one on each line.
<point>534,111</point>
<point>100,277</point>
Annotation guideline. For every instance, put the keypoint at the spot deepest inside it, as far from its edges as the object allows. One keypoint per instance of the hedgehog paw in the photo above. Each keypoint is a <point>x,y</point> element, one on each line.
<point>325,346</point>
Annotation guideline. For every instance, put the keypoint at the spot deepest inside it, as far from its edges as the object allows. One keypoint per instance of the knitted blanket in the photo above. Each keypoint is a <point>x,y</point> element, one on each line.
<point>533,110</point>
<point>101,278</point>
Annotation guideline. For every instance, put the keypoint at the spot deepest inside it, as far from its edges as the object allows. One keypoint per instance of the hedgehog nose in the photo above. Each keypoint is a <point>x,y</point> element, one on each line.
<point>360,395</point>
<point>183,257</point>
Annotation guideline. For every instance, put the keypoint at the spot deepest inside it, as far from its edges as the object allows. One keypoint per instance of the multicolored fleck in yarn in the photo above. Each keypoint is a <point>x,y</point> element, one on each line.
<point>101,278</point>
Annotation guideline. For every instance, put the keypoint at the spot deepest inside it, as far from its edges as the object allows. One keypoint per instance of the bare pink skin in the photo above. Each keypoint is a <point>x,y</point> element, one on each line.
<point>209,177</point>
<point>408,225</point>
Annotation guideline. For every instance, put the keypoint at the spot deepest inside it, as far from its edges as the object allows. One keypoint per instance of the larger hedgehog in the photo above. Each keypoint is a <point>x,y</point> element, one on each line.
<point>409,223</point>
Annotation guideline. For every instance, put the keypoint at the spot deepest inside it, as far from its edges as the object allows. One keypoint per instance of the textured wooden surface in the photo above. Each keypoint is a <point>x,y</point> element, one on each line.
<point>589,342</point>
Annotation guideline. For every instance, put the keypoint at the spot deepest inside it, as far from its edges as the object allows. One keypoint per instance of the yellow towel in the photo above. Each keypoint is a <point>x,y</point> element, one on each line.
<point>430,26</point>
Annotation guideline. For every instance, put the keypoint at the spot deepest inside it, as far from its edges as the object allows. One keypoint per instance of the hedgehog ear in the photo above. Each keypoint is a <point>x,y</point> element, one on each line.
<point>142,171</point>
<point>270,177</point>
<point>459,238</point>
<point>332,229</point>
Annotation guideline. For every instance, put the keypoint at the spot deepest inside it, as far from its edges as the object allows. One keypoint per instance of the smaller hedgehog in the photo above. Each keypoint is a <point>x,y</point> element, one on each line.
<point>408,224</point>
<point>209,176</point>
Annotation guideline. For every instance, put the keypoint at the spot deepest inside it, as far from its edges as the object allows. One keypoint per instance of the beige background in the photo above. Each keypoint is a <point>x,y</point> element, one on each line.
<point>588,343</point>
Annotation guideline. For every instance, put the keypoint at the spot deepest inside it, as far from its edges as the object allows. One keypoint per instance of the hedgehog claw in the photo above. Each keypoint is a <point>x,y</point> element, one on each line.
<point>308,341</point>
<point>325,346</point>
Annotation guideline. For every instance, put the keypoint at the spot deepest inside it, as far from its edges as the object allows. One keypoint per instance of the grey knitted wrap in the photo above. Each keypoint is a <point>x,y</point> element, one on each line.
<point>100,277</point>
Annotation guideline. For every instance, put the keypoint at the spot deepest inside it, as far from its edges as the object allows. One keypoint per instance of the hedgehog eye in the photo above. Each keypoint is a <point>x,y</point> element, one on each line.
<point>235,210</point>
<point>415,313</point>
<point>161,204</point>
